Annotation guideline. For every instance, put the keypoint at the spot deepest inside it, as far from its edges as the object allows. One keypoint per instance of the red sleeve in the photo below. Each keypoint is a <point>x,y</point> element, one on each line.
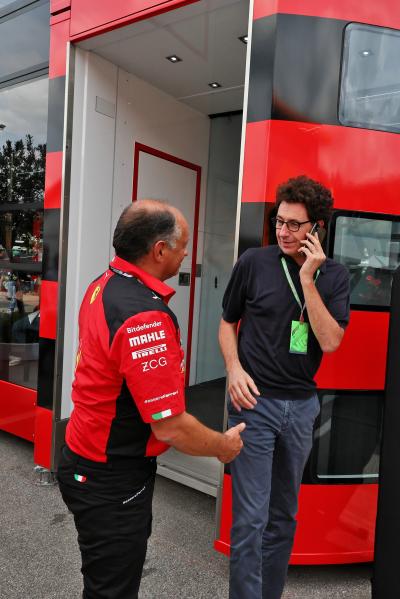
<point>147,350</point>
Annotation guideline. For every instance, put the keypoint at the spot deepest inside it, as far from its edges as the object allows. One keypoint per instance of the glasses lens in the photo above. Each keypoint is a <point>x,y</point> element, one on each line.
<point>292,225</point>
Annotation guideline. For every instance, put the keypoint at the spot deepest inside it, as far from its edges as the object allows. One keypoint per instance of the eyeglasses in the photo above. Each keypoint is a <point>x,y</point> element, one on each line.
<point>292,225</point>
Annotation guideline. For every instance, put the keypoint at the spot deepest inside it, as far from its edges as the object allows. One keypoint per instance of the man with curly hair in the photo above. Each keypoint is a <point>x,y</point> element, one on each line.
<point>293,304</point>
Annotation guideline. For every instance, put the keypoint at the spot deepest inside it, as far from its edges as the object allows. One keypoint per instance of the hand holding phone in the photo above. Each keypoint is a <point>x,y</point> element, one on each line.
<point>313,252</point>
<point>316,229</point>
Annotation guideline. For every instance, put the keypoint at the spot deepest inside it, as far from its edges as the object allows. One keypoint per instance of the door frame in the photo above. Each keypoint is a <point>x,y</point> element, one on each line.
<point>138,148</point>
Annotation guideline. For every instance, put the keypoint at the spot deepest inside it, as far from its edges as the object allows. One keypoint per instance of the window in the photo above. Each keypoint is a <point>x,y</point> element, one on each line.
<point>9,5</point>
<point>24,41</point>
<point>369,246</point>
<point>370,86</point>
<point>348,437</point>
<point>23,125</point>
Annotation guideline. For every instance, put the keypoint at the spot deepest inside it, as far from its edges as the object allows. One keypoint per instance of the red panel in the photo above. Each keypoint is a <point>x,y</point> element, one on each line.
<point>100,17</point>
<point>53,179</point>
<point>360,362</point>
<point>223,542</point>
<point>61,16</point>
<point>59,36</point>
<point>43,437</point>
<point>59,5</point>
<point>384,12</point>
<point>48,309</point>
<point>360,166</point>
<point>336,523</point>
<point>194,167</point>
<point>255,165</point>
<point>17,410</point>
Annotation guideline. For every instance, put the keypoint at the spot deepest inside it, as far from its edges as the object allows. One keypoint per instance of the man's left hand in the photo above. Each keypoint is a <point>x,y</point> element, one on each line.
<point>314,254</point>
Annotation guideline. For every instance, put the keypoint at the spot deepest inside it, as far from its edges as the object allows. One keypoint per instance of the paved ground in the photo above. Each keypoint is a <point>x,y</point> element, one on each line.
<point>39,557</point>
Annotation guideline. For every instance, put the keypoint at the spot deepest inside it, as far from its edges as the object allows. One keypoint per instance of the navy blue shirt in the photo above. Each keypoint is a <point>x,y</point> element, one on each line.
<point>259,295</point>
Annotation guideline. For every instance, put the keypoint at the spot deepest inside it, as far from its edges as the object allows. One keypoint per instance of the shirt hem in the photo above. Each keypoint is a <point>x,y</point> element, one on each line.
<point>287,393</point>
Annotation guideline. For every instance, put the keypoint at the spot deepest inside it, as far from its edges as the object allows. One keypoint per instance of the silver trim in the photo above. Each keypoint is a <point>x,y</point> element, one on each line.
<point>63,248</point>
<point>189,479</point>
<point>235,254</point>
<point>347,476</point>
<point>244,123</point>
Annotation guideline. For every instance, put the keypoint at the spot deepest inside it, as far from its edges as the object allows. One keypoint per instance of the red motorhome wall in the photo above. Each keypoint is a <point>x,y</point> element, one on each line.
<point>92,17</point>
<point>335,522</point>
<point>384,14</point>
<point>25,412</point>
<point>278,145</point>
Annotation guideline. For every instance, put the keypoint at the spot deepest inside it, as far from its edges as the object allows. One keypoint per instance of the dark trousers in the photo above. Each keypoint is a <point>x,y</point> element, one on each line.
<point>266,479</point>
<point>112,508</point>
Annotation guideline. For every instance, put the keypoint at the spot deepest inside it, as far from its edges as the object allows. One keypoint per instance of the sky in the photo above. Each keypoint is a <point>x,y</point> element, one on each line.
<point>23,109</point>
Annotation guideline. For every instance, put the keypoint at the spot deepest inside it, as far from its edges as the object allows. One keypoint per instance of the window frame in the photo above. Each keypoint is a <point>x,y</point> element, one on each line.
<point>30,267</point>
<point>11,11</point>
<point>34,72</point>
<point>331,243</point>
<point>310,475</point>
<point>344,74</point>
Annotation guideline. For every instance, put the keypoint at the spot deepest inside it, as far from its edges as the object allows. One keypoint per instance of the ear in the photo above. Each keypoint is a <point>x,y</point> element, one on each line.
<point>321,223</point>
<point>159,250</point>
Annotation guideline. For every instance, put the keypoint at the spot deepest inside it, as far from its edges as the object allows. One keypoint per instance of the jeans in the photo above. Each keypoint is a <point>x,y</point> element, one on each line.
<point>266,479</point>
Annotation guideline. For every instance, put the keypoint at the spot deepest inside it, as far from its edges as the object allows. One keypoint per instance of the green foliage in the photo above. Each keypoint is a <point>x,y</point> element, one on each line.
<point>22,169</point>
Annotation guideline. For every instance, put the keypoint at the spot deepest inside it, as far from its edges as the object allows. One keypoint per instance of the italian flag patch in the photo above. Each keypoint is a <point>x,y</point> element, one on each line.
<point>80,478</point>
<point>161,415</point>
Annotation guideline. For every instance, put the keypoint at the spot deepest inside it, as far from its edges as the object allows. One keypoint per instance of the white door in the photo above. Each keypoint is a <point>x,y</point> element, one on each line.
<point>162,176</point>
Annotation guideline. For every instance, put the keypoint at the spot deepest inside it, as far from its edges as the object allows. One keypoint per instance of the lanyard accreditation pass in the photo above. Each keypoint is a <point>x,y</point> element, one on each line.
<point>121,272</point>
<point>299,328</point>
<point>128,276</point>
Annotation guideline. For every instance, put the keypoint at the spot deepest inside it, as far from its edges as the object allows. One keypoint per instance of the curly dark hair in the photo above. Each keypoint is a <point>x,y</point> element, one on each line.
<point>317,199</point>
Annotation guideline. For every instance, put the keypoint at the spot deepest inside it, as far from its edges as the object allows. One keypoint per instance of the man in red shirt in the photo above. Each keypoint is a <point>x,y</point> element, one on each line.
<point>129,402</point>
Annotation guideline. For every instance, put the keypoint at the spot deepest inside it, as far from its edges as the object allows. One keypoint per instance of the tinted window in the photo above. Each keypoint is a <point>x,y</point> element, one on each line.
<point>10,5</point>
<point>370,248</point>
<point>370,87</point>
<point>348,436</point>
<point>23,110</point>
<point>24,41</point>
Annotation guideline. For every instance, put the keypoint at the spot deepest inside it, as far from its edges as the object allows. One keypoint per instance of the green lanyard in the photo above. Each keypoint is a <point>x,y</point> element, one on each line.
<point>293,288</point>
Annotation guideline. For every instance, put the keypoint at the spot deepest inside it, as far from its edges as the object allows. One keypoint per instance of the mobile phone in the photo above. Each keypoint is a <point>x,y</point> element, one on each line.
<point>319,230</point>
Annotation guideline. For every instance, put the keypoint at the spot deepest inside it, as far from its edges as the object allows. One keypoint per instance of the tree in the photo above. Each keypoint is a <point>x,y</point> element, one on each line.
<point>22,170</point>
<point>22,175</point>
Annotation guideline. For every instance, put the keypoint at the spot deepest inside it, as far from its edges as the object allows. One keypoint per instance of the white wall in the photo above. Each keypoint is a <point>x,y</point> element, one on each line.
<point>112,110</point>
<point>219,240</point>
<point>91,193</point>
<point>149,116</point>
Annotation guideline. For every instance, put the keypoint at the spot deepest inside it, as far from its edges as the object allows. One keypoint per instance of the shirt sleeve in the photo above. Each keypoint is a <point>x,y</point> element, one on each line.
<point>339,302</point>
<point>148,354</point>
<point>234,300</point>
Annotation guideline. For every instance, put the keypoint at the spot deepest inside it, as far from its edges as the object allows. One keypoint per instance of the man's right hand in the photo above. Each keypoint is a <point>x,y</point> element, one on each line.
<point>241,388</point>
<point>233,443</point>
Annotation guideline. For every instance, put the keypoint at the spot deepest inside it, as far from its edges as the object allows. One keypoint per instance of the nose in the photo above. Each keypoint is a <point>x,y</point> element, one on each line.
<point>284,229</point>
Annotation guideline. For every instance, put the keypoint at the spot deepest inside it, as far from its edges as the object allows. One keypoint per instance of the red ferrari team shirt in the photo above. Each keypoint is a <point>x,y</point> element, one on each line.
<point>129,366</point>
